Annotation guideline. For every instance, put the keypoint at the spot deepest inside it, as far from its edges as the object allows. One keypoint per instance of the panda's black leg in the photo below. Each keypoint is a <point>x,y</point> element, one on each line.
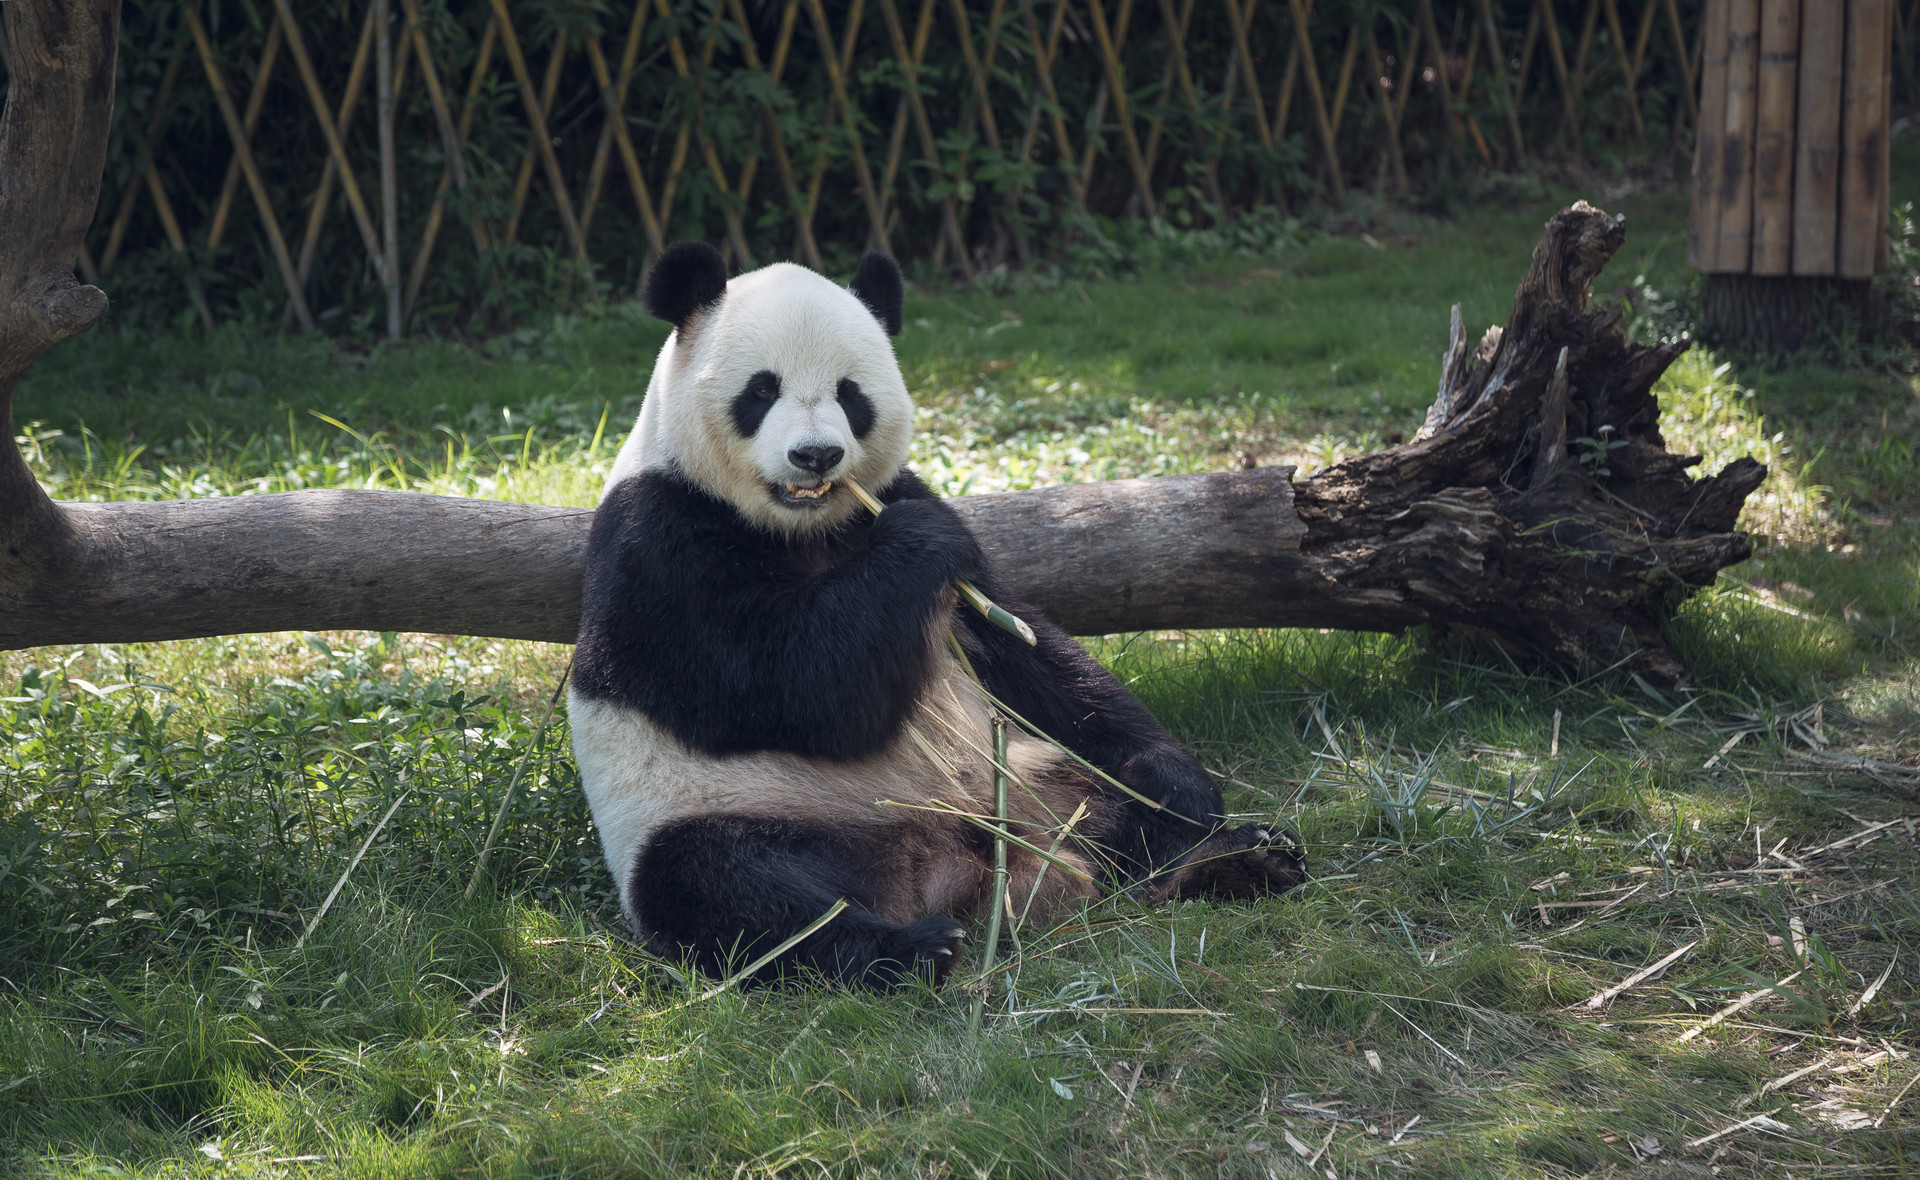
<point>725,890</point>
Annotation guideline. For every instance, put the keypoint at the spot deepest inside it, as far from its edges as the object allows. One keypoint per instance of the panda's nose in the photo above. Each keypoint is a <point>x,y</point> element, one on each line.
<point>818,458</point>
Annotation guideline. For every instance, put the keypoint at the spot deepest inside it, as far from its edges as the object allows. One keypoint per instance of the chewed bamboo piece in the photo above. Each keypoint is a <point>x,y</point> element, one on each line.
<point>998,615</point>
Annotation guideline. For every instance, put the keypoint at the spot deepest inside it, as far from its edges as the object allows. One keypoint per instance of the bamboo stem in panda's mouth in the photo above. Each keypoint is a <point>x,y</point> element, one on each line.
<point>996,614</point>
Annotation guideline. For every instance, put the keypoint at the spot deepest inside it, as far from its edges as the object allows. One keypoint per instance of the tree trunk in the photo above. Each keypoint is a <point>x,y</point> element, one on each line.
<point>1500,522</point>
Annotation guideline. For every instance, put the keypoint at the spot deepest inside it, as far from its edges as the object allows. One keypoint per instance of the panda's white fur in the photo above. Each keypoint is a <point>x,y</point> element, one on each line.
<point>812,332</point>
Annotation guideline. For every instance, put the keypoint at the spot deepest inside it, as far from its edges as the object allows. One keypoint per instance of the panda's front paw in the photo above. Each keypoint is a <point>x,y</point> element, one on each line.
<point>928,535</point>
<point>926,950</point>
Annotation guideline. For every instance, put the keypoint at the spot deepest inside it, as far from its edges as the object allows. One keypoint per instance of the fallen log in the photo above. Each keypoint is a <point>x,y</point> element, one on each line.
<point>1538,509</point>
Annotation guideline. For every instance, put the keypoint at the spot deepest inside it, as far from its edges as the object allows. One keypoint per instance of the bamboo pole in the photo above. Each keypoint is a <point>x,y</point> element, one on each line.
<point>769,123</point>
<point>536,118</point>
<point>142,163</point>
<point>1709,160</point>
<point>1502,91</point>
<point>1629,63</point>
<point>1773,138</point>
<point>349,187</point>
<point>1816,164</point>
<point>1303,38</point>
<point>329,172</point>
<point>837,66</point>
<point>1735,194</point>
<point>237,133</point>
<point>416,279</point>
<point>1043,74</point>
<point>389,181</point>
<point>1685,57</point>
<point>1388,115</point>
<point>530,155</point>
<point>1176,27</point>
<point>1863,139</point>
<point>178,241</point>
<point>850,118</point>
<point>1116,84</point>
<point>1438,48</point>
<point>1239,19</point>
<point>1343,86</point>
<point>910,57</point>
<point>736,235</point>
<point>1569,109</point>
<point>612,90</point>
<point>256,102</point>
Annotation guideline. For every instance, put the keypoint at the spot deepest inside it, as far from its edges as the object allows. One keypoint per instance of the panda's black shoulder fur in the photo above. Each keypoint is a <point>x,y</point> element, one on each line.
<point>734,639</point>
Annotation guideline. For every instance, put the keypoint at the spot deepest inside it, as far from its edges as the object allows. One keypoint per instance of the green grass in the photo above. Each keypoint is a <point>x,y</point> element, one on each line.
<point>1493,844</point>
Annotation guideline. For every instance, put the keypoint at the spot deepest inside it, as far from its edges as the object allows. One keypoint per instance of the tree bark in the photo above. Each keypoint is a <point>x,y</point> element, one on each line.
<point>53,146</point>
<point>1503,521</point>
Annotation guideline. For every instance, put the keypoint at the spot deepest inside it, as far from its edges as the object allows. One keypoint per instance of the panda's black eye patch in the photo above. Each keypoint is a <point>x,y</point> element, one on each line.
<point>858,409</point>
<point>751,404</point>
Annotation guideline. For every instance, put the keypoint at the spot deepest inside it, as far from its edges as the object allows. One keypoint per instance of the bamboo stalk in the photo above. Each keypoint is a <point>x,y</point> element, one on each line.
<point>1735,182</point>
<point>1686,56</point>
<point>1816,164</point>
<point>1343,85</point>
<point>736,235</point>
<point>1043,74</point>
<point>1773,138</point>
<point>1388,115</point>
<point>389,183</point>
<point>1863,139</point>
<point>770,124</point>
<point>362,217</point>
<point>1502,92</point>
<point>256,102</point>
<point>1555,54</point>
<point>1315,92</point>
<point>483,59</point>
<point>178,241</point>
<point>997,615</point>
<point>910,59</point>
<point>1629,63</point>
<point>870,196</point>
<point>530,155</point>
<point>537,119</point>
<point>1709,160</point>
<point>143,161</point>
<point>999,866</point>
<point>1109,54</point>
<point>275,240</point>
<point>1438,49</point>
<point>1238,19</point>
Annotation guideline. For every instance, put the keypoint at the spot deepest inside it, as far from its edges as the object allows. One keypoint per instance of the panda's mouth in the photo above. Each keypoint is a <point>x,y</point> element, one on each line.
<point>805,494</point>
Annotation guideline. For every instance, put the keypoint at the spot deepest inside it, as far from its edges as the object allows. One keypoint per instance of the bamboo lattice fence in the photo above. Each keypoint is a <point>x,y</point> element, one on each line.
<point>384,163</point>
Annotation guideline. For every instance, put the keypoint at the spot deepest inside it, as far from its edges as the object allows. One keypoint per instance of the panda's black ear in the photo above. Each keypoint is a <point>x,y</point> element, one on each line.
<point>688,277</point>
<point>878,285</point>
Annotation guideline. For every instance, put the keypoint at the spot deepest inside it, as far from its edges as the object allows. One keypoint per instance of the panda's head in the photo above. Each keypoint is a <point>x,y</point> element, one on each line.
<point>777,387</point>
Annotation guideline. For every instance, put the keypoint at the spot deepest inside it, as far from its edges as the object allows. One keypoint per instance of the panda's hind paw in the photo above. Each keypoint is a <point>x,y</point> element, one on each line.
<point>1242,863</point>
<point>925,950</point>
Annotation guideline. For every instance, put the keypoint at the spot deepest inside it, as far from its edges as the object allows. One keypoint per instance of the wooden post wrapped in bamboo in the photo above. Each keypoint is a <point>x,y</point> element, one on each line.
<point>1790,170</point>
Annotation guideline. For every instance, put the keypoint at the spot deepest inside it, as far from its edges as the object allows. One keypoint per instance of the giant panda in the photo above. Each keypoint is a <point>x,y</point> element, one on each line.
<point>768,711</point>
